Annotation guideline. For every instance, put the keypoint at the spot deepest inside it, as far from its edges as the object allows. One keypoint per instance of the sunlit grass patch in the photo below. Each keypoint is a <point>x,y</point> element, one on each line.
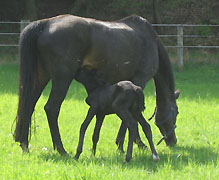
<point>194,157</point>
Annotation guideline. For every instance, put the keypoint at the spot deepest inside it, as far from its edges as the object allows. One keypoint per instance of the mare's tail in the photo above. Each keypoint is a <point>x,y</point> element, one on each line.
<point>28,79</point>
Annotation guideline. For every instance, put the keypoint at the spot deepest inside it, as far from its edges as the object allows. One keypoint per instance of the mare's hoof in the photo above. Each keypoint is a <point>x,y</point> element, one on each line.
<point>62,151</point>
<point>156,158</point>
<point>94,152</point>
<point>76,157</point>
<point>128,159</point>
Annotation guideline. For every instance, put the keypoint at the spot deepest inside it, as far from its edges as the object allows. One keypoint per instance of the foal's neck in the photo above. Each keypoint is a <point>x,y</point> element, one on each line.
<point>90,80</point>
<point>93,85</point>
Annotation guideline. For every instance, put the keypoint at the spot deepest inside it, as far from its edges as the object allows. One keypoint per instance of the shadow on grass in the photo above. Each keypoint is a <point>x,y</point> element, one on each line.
<point>178,158</point>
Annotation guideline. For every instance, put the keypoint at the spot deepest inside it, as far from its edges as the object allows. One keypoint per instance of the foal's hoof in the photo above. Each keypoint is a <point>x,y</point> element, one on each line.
<point>121,150</point>
<point>24,148</point>
<point>142,146</point>
<point>156,158</point>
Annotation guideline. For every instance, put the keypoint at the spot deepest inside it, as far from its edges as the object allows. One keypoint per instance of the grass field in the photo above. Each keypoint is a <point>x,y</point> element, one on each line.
<point>194,157</point>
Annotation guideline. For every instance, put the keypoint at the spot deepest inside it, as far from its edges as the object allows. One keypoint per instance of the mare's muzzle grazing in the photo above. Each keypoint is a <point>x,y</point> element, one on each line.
<point>167,127</point>
<point>169,137</point>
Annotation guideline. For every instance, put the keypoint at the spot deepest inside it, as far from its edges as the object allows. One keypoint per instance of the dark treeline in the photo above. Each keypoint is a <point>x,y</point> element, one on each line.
<point>161,11</point>
<point>156,11</point>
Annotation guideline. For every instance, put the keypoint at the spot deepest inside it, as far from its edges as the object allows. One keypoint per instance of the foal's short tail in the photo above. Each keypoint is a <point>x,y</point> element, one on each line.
<point>141,104</point>
<point>28,73</point>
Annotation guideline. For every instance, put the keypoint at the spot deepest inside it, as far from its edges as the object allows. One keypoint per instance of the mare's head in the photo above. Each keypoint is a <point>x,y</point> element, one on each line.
<point>166,122</point>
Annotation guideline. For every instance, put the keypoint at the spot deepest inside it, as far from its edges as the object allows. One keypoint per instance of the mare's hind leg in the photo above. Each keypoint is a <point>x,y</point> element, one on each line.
<point>96,134</point>
<point>147,130</point>
<point>89,117</point>
<point>52,108</point>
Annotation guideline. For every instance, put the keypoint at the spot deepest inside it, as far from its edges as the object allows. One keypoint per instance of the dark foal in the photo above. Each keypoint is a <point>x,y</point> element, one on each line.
<point>124,99</point>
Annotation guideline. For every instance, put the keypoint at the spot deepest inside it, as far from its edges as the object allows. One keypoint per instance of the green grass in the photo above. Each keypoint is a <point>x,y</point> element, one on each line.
<point>194,157</point>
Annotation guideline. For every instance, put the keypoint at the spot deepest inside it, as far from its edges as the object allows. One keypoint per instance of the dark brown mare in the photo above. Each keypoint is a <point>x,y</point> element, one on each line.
<point>56,48</point>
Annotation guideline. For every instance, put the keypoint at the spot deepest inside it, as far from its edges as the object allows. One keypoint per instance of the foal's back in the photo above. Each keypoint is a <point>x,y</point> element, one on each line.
<point>123,94</point>
<point>104,96</point>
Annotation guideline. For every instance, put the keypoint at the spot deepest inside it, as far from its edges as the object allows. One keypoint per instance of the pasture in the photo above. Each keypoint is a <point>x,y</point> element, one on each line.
<point>194,157</point>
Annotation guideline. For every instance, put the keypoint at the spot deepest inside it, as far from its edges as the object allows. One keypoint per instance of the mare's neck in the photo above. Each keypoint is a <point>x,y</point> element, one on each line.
<point>164,83</point>
<point>164,93</point>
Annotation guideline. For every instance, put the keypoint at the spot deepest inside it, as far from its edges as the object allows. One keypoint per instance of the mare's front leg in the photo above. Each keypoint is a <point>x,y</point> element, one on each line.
<point>52,108</point>
<point>96,134</point>
<point>89,117</point>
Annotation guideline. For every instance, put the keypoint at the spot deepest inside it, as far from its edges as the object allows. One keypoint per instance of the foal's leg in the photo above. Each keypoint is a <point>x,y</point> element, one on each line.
<point>132,127</point>
<point>121,106</point>
<point>52,108</point>
<point>121,137</point>
<point>139,142</point>
<point>90,115</point>
<point>147,130</point>
<point>96,134</point>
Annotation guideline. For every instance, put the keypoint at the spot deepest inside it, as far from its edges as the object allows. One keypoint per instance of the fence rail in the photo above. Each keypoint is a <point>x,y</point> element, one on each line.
<point>179,35</point>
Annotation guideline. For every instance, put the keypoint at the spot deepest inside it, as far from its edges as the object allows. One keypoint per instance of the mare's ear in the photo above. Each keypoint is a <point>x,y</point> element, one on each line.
<point>177,92</point>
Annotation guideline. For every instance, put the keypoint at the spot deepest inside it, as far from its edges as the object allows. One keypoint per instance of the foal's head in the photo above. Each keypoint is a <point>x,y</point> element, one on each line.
<point>90,79</point>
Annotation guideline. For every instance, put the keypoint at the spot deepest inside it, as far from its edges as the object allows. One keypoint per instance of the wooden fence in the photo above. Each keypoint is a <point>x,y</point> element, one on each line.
<point>179,36</point>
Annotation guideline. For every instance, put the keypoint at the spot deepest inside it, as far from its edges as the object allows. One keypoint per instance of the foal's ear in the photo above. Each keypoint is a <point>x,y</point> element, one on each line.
<point>177,92</point>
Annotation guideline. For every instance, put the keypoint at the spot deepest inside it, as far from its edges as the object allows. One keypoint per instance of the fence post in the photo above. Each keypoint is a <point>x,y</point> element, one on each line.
<point>180,47</point>
<point>24,23</point>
